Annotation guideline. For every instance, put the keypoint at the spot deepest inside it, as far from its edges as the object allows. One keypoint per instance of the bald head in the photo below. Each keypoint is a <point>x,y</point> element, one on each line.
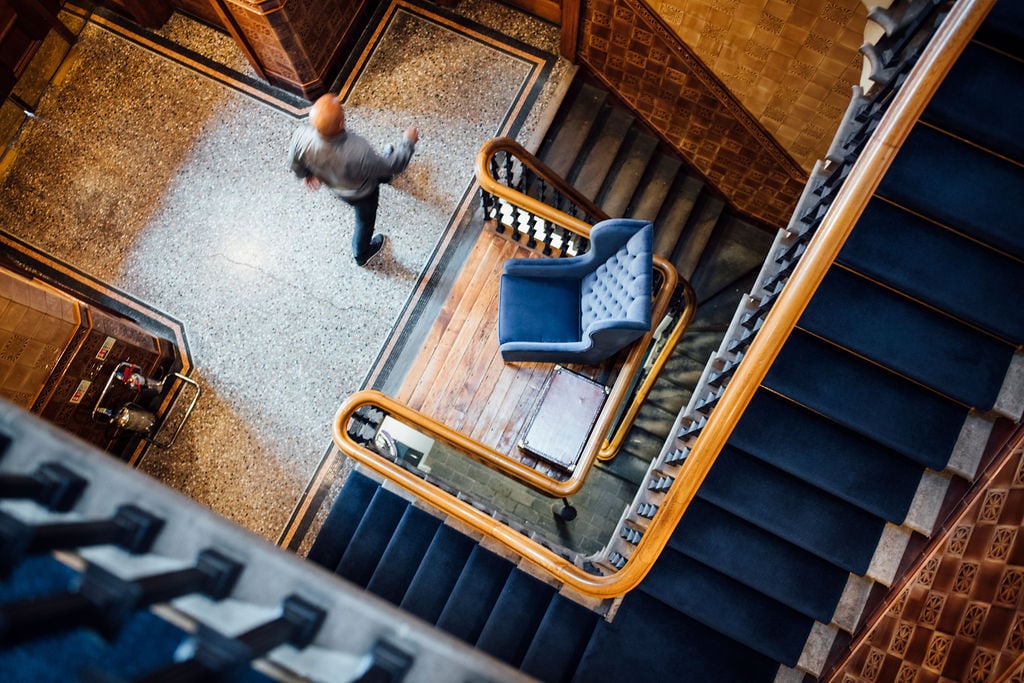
<point>327,115</point>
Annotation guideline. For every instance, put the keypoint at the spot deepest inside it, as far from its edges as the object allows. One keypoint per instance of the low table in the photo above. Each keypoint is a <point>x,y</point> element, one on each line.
<point>568,407</point>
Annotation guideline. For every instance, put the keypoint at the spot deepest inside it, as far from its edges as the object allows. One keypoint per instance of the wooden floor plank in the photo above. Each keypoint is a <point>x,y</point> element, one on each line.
<point>456,310</point>
<point>459,378</point>
<point>458,347</point>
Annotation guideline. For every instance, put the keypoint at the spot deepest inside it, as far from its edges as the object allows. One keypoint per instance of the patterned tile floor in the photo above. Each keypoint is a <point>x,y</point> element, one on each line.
<point>149,174</point>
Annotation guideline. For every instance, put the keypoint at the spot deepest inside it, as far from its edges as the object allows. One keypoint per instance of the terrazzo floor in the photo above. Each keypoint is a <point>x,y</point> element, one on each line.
<point>171,186</point>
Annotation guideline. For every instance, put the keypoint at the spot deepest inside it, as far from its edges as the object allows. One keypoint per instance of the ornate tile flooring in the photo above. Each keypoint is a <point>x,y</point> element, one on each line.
<point>151,174</point>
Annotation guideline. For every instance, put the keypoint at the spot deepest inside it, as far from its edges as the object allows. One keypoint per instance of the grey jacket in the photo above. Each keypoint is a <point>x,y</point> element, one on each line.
<point>346,162</point>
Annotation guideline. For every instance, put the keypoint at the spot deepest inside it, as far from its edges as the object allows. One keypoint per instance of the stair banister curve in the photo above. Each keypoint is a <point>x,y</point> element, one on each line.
<point>549,213</point>
<point>926,76</point>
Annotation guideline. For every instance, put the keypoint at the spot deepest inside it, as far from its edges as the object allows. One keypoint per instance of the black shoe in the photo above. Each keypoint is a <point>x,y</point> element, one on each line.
<point>376,244</point>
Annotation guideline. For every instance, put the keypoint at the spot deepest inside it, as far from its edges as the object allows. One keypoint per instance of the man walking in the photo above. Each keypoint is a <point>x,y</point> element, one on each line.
<point>325,153</point>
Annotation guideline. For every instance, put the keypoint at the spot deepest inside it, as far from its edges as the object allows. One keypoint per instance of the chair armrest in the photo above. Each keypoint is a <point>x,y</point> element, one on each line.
<point>572,268</point>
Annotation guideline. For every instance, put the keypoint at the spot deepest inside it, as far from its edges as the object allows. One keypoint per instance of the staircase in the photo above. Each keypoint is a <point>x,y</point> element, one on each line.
<point>885,391</point>
<point>609,156</point>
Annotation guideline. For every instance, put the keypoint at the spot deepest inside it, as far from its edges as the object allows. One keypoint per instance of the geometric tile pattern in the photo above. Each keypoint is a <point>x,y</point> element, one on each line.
<point>639,57</point>
<point>790,62</point>
<point>960,616</point>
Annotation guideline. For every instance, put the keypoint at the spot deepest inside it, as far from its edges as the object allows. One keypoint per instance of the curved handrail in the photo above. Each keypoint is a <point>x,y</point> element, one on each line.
<point>534,206</point>
<point>611,446</point>
<point>864,178</point>
<point>525,474</point>
<point>948,42</point>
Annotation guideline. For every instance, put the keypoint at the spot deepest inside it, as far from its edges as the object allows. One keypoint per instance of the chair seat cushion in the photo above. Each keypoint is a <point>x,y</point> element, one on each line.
<point>546,311</point>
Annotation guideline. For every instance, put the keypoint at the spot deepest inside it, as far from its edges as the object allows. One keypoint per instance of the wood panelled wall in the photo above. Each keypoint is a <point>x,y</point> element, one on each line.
<point>791,64</point>
<point>294,44</point>
<point>629,47</point>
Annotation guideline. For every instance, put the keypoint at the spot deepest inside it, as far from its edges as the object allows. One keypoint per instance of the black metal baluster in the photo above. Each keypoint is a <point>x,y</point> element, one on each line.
<point>217,656</point>
<point>131,528</point>
<point>104,602</point>
<point>52,485</point>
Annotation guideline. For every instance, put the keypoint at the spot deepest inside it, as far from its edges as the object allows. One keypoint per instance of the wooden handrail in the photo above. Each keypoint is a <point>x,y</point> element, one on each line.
<point>524,201</point>
<point>864,178</point>
<point>529,476</point>
<point>610,448</point>
<point>925,78</point>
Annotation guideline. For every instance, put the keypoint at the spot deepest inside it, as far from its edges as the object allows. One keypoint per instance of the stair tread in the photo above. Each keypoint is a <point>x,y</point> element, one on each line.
<point>371,537</point>
<point>1004,28</point>
<point>559,641</point>
<point>626,465</point>
<point>674,215</point>
<point>342,520</point>
<point>760,560</point>
<point>571,135</point>
<point>736,247</point>
<point>912,340</point>
<point>654,419</point>
<point>629,169</point>
<point>872,401</point>
<point>792,509</point>
<point>729,607</point>
<point>406,549</point>
<point>474,594</point>
<point>651,637</point>
<point>887,244</point>
<point>696,235</point>
<point>437,573</point>
<point>974,102</point>
<point>596,162</point>
<point>827,455</point>
<point>951,197</point>
<point>515,617</point>
<point>656,187</point>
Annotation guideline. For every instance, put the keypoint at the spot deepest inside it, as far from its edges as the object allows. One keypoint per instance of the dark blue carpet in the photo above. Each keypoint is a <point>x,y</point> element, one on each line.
<point>1004,28</point>
<point>650,641</point>
<point>909,339</point>
<point>959,186</point>
<point>832,529</point>
<point>760,560</point>
<point>342,520</point>
<point>436,576</point>
<point>728,607</point>
<point>827,455</point>
<point>402,557</point>
<point>908,418</point>
<point>559,642</point>
<point>516,615</point>
<point>145,643</point>
<point>931,263</point>
<point>474,595</point>
<point>975,103</point>
<point>36,576</point>
<point>371,537</point>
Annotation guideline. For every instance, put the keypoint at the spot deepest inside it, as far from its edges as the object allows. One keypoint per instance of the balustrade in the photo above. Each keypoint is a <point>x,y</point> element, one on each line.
<point>190,569</point>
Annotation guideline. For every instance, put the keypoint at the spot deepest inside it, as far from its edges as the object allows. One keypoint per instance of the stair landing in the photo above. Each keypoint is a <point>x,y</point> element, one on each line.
<point>459,379</point>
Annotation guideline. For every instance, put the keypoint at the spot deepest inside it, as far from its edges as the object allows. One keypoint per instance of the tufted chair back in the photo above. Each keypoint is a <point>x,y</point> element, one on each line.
<point>582,309</point>
<point>620,288</point>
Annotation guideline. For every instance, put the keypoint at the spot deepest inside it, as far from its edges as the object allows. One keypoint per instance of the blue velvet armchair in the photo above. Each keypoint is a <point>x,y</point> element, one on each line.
<point>582,309</point>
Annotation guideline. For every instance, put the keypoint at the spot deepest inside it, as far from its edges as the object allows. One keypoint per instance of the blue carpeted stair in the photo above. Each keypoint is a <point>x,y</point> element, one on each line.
<point>447,579</point>
<point>912,330</point>
<point>145,642</point>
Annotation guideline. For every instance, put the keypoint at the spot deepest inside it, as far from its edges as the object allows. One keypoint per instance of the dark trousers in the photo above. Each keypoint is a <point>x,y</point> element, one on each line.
<point>366,219</point>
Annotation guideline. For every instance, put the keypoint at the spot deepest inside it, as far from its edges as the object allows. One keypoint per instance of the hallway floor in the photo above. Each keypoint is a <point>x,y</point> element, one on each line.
<point>151,172</point>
